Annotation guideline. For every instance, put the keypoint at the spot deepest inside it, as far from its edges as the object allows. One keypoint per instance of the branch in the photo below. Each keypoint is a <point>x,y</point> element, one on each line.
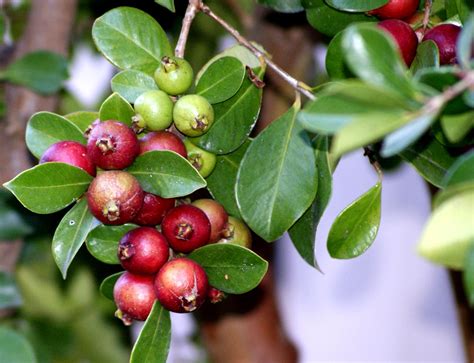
<point>191,11</point>
<point>427,13</point>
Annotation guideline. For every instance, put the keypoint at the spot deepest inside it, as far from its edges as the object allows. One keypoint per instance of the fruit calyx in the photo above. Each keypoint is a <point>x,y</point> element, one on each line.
<point>105,144</point>
<point>111,210</point>
<point>169,64</point>
<point>126,319</point>
<point>200,123</point>
<point>126,251</point>
<point>184,231</point>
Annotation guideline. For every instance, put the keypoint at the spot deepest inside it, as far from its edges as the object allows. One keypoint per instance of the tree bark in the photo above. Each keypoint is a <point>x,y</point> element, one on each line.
<point>49,27</point>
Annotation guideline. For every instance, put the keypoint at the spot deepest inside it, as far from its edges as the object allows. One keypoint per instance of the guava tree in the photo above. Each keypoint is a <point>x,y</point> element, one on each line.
<point>168,178</point>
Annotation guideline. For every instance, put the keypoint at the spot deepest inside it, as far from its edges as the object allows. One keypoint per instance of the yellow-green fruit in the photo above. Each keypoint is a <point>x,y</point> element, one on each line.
<point>154,110</point>
<point>202,160</point>
<point>174,75</point>
<point>237,233</point>
<point>193,115</point>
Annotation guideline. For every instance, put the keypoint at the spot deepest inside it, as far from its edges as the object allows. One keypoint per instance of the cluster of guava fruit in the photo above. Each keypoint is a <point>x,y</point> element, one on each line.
<point>401,20</point>
<point>154,253</point>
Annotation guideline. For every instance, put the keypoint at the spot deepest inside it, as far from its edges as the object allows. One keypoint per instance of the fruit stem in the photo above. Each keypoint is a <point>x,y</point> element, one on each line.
<point>426,17</point>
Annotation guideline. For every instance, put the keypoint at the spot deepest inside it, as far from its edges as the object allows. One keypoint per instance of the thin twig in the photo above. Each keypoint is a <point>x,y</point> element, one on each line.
<point>191,11</point>
<point>426,16</point>
<point>298,85</point>
<point>373,161</point>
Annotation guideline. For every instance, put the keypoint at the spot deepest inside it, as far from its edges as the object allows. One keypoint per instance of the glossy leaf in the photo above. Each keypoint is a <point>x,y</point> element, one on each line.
<point>427,56</point>
<point>450,191</point>
<point>82,119</point>
<point>303,232</point>
<point>448,235</point>
<point>231,268</point>
<point>274,195</point>
<point>431,159</point>
<point>130,84</point>
<point>117,108</point>
<point>166,174</point>
<point>9,295</point>
<point>42,71</point>
<point>335,64</point>
<point>356,5</point>
<point>455,127</point>
<point>464,46</point>
<point>153,343</point>
<point>221,80</point>
<point>372,56</point>
<point>330,21</point>
<point>356,227</point>
<point>233,121</point>
<point>49,187</point>
<point>46,128</point>
<point>168,4</point>
<point>407,135</point>
<point>71,234</point>
<point>107,285</point>
<point>14,348</point>
<point>468,276</point>
<point>283,6</point>
<point>461,171</point>
<point>348,101</point>
<point>221,182</point>
<point>131,39</point>
<point>102,242</point>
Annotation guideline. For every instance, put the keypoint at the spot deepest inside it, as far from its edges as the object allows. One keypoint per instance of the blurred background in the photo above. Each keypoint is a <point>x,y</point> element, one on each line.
<point>387,305</point>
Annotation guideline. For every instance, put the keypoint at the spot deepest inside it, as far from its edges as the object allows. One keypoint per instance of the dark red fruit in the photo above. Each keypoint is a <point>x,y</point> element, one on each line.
<point>215,295</point>
<point>114,197</point>
<point>153,210</point>
<point>396,9</point>
<point>112,145</point>
<point>69,152</point>
<point>445,36</point>
<point>181,285</point>
<point>186,228</point>
<point>404,36</point>
<point>134,296</point>
<point>143,251</point>
<point>216,215</point>
<point>162,140</point>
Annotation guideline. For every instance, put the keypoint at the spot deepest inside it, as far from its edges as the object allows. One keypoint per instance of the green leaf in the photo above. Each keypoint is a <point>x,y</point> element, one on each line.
<point>71,234</point>
<point>372,56</point>
<point>221,80</point>
<point>45,129</point>
<point>42,71</point>
<point>330,21</point>
<point>153,343</point>
<point>82,119</point>
<point>107,286</point>
<point>14,348</point>
<point>234,119</point>
<point>461,171</point>
<point>131,39</point>
<point>448,235</point>
<point>283,6</point>
<point>464,46</point>
<point>365,130</point>
<point>427,56</point>
<point>12,224</point>
<point>168,4</point>
<point>102,242</point>
<point>49,187</point>
<point>221,182</point>
<point>408,134</point>
<point>303,232</point>
<point>468,276</point>
<point>356,227</point>
<point>166,174</point>
<point>130,84</point>
<point>274,195</point>
<point>231,268</point>
<point>450,191</point>
<point>9,295</point>
<point>430,158</point>
<point>455,127</point>
<point>117,108</point>
<point>356,5</point>
<point>347,101</point>
<point>335,64</point>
